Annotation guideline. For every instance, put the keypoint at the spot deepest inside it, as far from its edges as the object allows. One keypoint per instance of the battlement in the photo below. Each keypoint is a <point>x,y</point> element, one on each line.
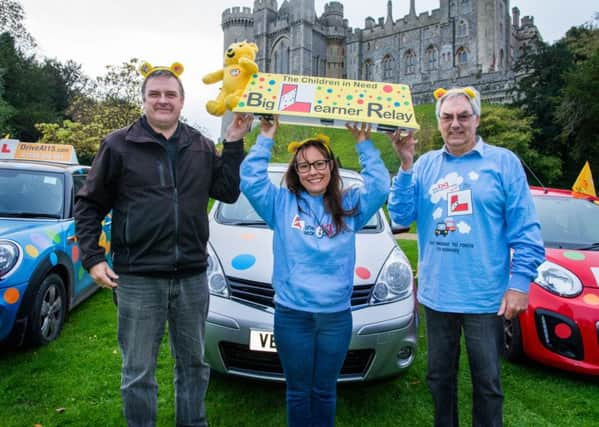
<point>237,16</point>
<point>527,21</point>
<point>265,4</point>
<point>333,8</point>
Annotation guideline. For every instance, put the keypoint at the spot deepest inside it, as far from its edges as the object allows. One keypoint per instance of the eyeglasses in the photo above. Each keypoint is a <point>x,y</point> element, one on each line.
<point>304,167</point>
<point>449,118</point>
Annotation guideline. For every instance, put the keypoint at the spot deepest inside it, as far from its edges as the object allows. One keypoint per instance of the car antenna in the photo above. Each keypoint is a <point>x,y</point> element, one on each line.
<point>534,175</point>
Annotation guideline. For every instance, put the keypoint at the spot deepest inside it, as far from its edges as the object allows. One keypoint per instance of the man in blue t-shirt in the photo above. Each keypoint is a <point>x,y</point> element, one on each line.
<point>479,243</point>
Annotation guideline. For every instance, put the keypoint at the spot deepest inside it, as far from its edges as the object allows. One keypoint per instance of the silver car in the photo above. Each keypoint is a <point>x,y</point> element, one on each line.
<point>239,337</point>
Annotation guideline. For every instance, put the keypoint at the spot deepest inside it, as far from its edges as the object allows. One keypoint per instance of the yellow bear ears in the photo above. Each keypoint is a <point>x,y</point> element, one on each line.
<point>321,137</point>
<point>146,69</point>
<point>468,91</point>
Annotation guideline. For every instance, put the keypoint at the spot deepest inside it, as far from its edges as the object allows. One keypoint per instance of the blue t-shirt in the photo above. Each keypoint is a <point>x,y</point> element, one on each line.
<point>474,215</point>
<point>312,271</point>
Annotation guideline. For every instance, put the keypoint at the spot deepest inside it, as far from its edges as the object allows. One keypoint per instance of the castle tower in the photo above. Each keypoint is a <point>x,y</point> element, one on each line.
<point>265,12</point>
<point>336,34</point>
<point>302,18</point>
<point>493,34</point>
<point>237,24</point>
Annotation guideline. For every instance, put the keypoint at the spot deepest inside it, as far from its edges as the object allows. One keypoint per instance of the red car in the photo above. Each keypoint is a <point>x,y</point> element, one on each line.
<point>560,328</point>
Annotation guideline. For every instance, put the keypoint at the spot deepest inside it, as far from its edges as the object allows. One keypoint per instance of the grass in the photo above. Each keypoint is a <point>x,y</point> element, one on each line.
<point>75,380</point>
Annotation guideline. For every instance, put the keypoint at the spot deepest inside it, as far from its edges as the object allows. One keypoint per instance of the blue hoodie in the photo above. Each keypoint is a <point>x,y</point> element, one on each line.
<point>312,271</point>
<point>471,212</point>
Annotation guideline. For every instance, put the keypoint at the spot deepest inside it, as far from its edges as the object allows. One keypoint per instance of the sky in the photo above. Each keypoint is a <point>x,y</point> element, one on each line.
<point>110,32</point>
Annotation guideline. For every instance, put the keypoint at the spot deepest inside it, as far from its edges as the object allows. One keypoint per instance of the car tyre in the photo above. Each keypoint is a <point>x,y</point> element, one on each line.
<point>48,311</point>
<point>512,340</point>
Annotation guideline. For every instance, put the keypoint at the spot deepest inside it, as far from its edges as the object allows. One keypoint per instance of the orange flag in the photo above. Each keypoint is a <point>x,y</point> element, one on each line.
<point>584,183</point>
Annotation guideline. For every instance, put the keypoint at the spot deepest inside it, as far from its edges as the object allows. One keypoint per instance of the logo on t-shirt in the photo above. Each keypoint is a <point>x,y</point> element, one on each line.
<point>297,223</point>
<point>459,203</point>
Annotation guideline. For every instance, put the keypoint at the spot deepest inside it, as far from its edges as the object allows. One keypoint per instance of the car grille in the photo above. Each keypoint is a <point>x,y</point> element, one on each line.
<point>240,357</point>
<point>263,293</point>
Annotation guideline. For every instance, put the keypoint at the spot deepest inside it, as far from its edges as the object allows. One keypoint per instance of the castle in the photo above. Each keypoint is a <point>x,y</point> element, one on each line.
<point>463,42</point>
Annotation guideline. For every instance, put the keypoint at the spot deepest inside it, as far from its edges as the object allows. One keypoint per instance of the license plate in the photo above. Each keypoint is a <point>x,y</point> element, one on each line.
<point>262,341</point>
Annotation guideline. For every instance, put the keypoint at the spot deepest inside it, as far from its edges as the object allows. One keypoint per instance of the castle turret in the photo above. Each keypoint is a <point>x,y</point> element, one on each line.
<point>237,24</point>
<point>265,12</point>
<point>516,17</point>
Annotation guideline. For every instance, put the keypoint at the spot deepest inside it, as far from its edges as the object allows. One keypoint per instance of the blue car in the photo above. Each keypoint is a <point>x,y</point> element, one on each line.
<point>41,276</point>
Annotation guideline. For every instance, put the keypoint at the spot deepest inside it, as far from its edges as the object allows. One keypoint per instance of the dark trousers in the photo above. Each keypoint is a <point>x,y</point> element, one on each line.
<point>483,334</point>
<point>145,306</point>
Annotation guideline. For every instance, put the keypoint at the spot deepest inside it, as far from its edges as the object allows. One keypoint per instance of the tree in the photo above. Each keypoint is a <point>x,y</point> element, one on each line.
<point>559,90</point>
<point>97,108</point>
<point>36,91</point>
<point>509,127</point>
<point>11,22</point>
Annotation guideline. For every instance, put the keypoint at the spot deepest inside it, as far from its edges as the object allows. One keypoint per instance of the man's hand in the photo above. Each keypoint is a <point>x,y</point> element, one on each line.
<point>404,147</point>
<point>512,304</point>
<point>239,127</point>
<point>361,133</point>
<point>103,275</point>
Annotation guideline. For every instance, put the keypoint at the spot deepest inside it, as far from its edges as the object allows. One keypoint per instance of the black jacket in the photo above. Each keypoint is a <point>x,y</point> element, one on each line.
<point>157,226</point>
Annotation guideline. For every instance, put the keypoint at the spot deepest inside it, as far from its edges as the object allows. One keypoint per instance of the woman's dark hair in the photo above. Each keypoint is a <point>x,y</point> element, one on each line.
<point>334,192</point>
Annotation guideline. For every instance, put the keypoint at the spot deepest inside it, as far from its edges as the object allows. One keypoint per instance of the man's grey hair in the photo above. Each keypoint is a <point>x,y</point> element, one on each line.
<point>160,73</point>
<point>471,94</point>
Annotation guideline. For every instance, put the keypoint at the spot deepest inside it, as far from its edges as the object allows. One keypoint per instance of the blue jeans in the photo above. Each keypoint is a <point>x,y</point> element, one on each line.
<point>312,348</point>
<point>145,305</point>
<point>483,334</point>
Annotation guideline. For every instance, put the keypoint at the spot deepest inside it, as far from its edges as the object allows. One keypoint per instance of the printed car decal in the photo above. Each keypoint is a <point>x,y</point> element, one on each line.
<point>591,299</point>
<point>243,261</point>
<point>363,273</point>
<point>574,255</point>
<point>595,271</point>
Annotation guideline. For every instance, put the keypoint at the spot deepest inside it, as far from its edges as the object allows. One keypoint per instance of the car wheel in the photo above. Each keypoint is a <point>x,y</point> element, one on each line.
<point>512,337</point>
<point>48,311</point>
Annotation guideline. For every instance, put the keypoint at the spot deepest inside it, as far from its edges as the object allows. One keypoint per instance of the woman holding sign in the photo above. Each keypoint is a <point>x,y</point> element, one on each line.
<point>314,222</point>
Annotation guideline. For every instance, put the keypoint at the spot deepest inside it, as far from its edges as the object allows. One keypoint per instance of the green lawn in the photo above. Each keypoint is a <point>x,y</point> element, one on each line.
<point>75,382</point>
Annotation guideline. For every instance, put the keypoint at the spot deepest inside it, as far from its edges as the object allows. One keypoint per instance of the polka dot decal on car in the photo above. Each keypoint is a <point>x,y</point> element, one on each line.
<point>574,255</point>
<point>363,273</point>
<point>243,261</point>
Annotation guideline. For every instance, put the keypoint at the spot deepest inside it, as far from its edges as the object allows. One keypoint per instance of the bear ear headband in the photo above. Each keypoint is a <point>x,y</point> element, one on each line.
<point>146,69</point>
<point>468,91</point>
<point>321,137</point>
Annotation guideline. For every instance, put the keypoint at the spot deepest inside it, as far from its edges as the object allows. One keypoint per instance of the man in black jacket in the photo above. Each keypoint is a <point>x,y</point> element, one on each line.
<point>156,176</point>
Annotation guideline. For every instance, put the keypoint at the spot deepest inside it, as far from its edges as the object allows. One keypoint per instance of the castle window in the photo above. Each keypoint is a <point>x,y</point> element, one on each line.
<point>410,61</point>
<point>280,56</point>
<point>462,56</point>
<point>388,68</point>
<point>432,58</point>
<point>368,70</point>
<point>462,28</point>
<point>501,59</point>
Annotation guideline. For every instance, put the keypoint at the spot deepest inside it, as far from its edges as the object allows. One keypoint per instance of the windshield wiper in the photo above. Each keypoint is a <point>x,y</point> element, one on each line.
<point>591,247</point>
<point>29,215</point>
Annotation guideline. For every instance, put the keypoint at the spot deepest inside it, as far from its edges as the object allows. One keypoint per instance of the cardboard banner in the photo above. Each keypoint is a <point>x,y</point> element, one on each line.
<point>322,101</point>
<point>16,150</point>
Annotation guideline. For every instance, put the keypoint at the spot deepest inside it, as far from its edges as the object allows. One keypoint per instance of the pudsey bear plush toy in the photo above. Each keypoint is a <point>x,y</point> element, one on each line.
<point>238,67</point>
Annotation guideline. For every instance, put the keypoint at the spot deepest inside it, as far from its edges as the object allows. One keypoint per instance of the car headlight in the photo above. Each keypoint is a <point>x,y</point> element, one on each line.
<point>217,283</point>
<point>10,255</point>
<point>394,281</point>
<point>558,280</point>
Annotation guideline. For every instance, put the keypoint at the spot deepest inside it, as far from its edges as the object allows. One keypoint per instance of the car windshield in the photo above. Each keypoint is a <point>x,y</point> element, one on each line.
<point>242,213</point>
<point>31,194</point>
<point>568,222</point>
